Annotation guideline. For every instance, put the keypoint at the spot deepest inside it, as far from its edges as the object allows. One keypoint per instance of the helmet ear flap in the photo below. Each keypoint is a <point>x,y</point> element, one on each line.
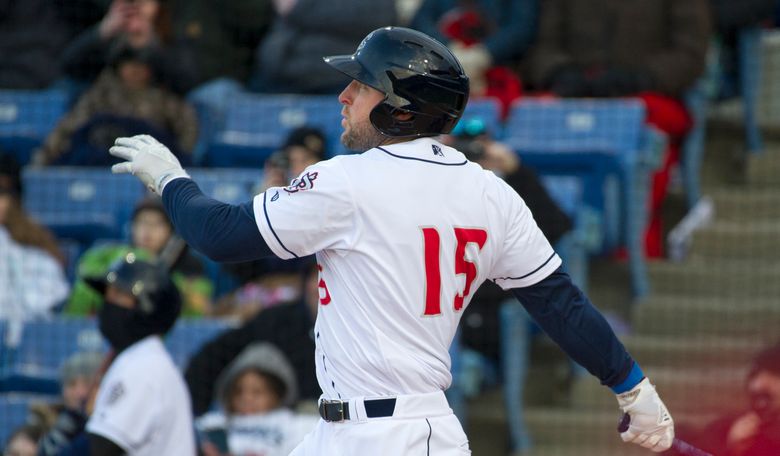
<point>386,120</point>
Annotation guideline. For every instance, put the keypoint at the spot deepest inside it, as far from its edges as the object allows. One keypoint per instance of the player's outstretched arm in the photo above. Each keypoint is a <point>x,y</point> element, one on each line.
<point>223,232</point>
<point>569,318</point>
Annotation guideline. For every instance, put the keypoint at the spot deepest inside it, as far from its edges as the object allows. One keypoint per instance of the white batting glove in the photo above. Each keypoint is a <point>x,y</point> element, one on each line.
<point>651,425</point>
<point>148,160</point>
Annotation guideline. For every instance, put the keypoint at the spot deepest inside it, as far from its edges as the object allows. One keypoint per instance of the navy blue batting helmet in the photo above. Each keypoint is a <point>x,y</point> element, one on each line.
<point>417,74</point>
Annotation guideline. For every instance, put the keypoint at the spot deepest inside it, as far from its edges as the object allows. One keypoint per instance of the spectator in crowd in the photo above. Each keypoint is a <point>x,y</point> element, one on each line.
<point>752,432</point>
<point>23,442</point>
<point>142,405</point>
<point>304,146</point>
<point>32,278</point>
<point>288,328</point>
<point>32,36</point>
<point>219,42</point>
<point>79,376</point>
<point>487,36</point>
<point>142,25</point>
<point>736,50</point>
<point>654,50</point>
<point>127,96</point>
<point>256,392</point>
<point>289,58</point>
<point>151,236</point>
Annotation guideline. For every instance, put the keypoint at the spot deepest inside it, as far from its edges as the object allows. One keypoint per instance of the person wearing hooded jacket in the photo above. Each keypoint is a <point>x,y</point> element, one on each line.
<point>256,393</point>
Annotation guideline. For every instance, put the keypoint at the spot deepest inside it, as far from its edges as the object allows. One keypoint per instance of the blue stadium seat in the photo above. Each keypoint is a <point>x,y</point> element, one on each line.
<point>599,140</point>
<point>257,125</point>
<point>27,117</point>
<point>44,345</point>
<point>13,412</point>
<point>190,334</point>
<point>229,185</point>
<point>84,204</point>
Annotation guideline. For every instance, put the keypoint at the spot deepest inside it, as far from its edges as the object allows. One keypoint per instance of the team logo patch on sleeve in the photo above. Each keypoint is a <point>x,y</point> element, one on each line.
<point>437,150</point>
<point>116,393</point>
<point>304,182</point>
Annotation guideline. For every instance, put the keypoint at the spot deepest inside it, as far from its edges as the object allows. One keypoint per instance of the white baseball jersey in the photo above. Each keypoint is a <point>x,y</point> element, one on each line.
<point>143,404</point>
<point>404,235</point>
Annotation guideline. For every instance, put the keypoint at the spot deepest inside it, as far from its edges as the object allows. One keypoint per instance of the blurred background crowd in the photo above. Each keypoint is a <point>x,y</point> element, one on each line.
<point>642,134</point>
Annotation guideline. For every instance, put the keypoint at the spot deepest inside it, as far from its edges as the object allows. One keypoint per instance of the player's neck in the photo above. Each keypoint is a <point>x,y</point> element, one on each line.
<point>390,141</point>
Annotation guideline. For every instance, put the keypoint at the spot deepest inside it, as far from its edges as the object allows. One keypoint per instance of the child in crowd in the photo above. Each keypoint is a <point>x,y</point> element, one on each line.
<point>151,233</point>
<point>256,393</point>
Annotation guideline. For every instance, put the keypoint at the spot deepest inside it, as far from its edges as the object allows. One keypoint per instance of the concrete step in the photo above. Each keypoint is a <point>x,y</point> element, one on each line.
<point>740,204</point>
<point>621,449</point>
<point>700,275</point>
<point>711,316</point>
<point>764,169</point>
<point>701,352</point>
<point>710,390</point>
<point>552,427</point>
<point>747,239</point>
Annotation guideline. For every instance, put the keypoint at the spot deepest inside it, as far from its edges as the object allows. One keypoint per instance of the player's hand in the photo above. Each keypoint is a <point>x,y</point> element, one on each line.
<point>651,425</point>
<point>148,160</point>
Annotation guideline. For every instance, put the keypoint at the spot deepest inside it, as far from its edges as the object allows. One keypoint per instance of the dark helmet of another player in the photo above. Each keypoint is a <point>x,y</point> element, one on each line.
<point>417,74</point>
<point>157,301</point>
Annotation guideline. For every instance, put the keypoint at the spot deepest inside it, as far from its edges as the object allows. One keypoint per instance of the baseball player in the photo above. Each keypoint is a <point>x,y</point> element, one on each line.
<point>404,234</point>
<point>142,406</point>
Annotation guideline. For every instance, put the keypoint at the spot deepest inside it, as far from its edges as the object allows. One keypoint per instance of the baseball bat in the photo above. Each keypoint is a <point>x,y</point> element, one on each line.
<point>681,446</point>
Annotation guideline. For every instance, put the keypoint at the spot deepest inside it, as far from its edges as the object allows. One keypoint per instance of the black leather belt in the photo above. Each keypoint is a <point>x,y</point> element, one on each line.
<point>336,411</point>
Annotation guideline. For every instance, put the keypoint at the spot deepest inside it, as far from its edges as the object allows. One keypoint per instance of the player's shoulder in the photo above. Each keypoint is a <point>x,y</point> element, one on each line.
<point>150,353</point>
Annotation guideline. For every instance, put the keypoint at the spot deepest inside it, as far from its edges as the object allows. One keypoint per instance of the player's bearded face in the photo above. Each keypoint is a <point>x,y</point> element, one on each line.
<point>358,100</point>
<point>361,135</point>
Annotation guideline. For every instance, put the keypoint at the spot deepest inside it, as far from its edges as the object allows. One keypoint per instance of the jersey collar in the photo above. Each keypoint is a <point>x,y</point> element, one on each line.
<point>426,150</point>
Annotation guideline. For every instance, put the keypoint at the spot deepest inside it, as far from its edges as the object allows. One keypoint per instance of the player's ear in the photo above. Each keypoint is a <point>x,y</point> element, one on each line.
<point>402,115</point>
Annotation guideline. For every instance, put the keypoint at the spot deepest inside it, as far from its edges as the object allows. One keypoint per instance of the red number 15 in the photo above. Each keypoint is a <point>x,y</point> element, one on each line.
<point>432,244</point>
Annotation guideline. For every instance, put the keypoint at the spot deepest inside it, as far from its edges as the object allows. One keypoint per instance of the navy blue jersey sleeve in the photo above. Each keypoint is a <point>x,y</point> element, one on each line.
<point>223,232</point>
<point>569,318</point>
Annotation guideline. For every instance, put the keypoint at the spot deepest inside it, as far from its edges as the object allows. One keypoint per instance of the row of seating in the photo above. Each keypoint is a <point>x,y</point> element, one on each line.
<point>601,142</point>
<point>31,353</point>
<point>87,205</point>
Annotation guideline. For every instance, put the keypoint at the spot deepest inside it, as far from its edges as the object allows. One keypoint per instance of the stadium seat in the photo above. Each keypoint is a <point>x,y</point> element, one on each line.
<point>84,204</point>
<point>32,363</point>
<point>229,185</point>
<point>27,117</point>
<point>599,140</point>
<point>257,125</point>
